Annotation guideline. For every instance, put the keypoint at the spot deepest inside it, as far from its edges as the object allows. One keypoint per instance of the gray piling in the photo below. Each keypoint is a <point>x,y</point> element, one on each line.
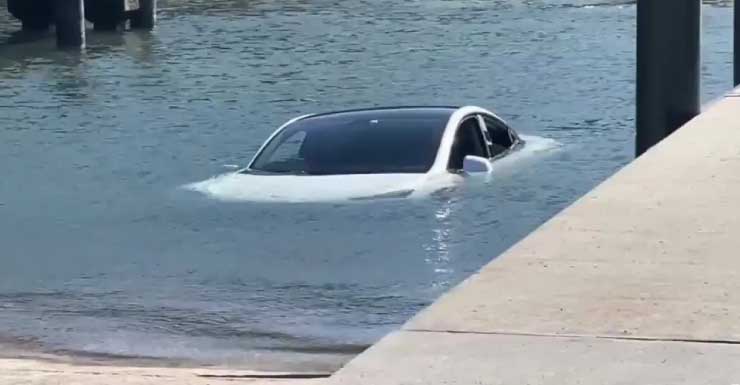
<point>668,68</point>
<point>146,16</point>
<point>70,23</point>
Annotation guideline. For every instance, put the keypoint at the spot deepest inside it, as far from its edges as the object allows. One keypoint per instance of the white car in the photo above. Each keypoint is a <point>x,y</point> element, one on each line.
<point>371,153</point>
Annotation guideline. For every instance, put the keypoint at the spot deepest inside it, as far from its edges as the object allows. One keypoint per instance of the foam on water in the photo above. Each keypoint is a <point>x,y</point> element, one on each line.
<point>535,147</point>
<point>320,188</point>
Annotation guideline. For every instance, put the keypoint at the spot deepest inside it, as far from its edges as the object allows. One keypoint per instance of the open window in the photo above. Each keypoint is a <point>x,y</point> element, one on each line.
<point>468,141</point>
<point>502,139</point>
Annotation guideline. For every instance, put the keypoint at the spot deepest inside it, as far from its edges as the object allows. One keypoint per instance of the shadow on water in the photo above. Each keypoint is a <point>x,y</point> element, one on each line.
<point>28,37</point>
<point>137,45</point>
<point>23,49</point>
<point>175,8</point>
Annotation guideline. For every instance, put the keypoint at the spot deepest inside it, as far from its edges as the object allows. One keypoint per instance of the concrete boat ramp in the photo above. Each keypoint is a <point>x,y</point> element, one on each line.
<point>638,282</point>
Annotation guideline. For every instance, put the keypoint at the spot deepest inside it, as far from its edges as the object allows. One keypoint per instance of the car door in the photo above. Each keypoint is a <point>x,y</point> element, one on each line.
<point>469,140</point>
<point>502,137</point>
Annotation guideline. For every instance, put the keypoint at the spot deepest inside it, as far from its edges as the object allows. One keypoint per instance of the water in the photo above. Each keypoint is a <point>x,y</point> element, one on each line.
<point>104,255</point>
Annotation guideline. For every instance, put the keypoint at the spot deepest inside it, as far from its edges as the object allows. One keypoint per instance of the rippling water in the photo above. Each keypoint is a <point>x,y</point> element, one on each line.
<point>102,254</point>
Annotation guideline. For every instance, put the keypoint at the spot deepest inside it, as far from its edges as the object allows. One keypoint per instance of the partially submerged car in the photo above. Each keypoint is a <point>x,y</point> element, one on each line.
<point>371,153</point>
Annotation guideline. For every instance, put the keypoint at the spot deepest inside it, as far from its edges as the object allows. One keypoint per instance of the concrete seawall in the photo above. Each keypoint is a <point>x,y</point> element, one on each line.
<point>638,282</point>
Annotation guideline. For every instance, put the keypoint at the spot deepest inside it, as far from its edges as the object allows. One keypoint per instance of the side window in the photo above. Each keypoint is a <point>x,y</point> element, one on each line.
<point>468,141</point>
<point>284,153</point>
<point>290,148</point>
<point>501,138</point>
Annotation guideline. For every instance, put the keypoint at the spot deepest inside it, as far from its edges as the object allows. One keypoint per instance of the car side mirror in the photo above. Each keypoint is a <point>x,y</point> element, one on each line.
<point>474,164</point>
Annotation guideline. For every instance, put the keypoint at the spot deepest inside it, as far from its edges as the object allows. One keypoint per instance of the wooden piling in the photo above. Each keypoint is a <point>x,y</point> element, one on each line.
<point>668,68</point>
<point>736,29</point>
<point>146,16</point>
<point>107,15</point>
<point>70,23</point>
<point>35,15</point>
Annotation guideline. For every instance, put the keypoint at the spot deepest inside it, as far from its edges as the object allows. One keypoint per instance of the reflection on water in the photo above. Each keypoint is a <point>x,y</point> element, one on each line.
<point>438,250</point>
<point>104,255</point>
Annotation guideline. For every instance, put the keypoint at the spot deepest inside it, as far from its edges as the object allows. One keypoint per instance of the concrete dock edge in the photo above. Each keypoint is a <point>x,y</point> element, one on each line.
<point>638,282</point>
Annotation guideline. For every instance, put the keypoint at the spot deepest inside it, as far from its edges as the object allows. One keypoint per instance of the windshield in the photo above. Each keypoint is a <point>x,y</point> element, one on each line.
<point>361,143</point>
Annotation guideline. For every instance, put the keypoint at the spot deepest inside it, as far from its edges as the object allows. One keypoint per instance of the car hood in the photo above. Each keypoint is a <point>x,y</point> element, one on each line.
<point>317,188</point>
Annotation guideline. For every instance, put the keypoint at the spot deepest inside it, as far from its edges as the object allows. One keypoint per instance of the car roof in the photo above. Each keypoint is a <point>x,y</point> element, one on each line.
<point>405,112</point>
